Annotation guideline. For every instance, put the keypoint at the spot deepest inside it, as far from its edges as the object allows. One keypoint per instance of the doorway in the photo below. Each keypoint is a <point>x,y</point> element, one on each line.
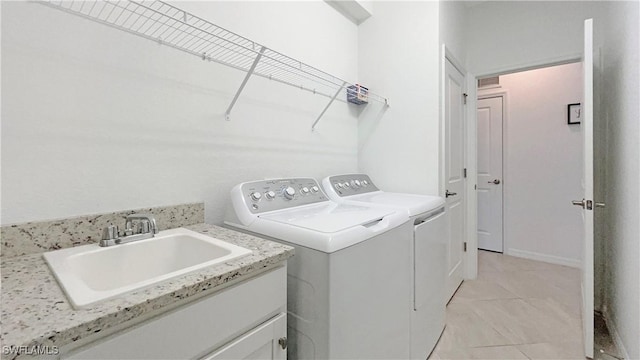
<point>529,165</point>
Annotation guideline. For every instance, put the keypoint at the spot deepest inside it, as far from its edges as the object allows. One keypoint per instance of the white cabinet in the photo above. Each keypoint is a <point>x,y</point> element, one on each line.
<point>267,341</point>
<point>243,321</point>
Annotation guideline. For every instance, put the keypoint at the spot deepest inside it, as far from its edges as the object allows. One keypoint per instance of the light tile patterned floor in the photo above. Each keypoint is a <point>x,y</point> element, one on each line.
<point>516,309</point>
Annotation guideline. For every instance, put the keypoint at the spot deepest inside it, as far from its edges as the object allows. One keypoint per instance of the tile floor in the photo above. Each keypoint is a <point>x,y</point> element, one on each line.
<point>515,309</point>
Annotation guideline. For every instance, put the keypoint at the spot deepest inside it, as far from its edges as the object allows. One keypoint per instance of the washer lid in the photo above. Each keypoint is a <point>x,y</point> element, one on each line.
<point>327,217</point>
<point>413,203</point>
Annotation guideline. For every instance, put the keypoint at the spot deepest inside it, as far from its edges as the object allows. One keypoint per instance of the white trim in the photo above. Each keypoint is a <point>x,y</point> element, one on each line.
<point>552,259</point>
<point>441,165</point>
<point>452,59</point>
<point>561,60</point>
<point>487,87</point>
<point>587,169</point>
<point>615,335</point>
<point>471,261</point>
<point>492,92</point>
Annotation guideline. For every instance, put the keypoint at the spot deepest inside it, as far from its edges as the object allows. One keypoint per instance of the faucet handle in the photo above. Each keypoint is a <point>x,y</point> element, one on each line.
<point>110,232</point>
<point>153,226</point>
<point>109,235</point>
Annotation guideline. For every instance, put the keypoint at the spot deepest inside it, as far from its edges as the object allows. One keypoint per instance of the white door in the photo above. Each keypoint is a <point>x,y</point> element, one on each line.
<point>490,173</point>
<point>454,173</point>
<point>587,203</point>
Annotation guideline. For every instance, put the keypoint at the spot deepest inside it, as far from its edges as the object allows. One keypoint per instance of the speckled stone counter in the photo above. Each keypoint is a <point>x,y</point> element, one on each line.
<point>42,236</point>
<point>36,312</point>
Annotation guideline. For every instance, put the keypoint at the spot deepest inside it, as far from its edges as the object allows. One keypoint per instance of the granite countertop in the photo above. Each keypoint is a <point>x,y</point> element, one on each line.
<point>36,312</point>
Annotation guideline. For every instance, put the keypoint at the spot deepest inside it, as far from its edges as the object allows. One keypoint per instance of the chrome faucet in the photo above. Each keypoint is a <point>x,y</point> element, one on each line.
<point>146,228</point>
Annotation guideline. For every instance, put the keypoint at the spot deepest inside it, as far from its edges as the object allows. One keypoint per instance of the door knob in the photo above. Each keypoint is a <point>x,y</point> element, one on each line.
<point>496,181</point>
<point>447,193</point>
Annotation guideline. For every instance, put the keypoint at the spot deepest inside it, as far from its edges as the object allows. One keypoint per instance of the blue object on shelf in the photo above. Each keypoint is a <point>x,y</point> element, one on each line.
<point>357,94</point>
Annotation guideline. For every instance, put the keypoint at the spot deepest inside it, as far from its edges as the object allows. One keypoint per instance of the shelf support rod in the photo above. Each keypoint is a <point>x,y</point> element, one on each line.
<point>313,127</point>
<point>227,115</point>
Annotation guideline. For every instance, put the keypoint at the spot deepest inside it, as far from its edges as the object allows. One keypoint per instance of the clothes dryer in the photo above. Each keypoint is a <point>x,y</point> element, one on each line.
<point>428,247</point>
<point>344,297</point>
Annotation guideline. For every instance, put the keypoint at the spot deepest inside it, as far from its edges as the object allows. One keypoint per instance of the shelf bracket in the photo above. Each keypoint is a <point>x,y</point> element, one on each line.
<point>313,127</point>
<point>227,114</point>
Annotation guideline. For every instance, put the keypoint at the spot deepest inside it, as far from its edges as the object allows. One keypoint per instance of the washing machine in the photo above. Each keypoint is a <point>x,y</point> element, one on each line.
<point>344,299</point>
<point>428,248</point>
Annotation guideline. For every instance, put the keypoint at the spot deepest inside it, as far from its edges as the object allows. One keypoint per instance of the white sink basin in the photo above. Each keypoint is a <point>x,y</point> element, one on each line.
<point>90,274</point>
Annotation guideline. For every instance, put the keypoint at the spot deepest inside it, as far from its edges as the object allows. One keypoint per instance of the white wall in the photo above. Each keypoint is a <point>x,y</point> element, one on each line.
<point>542,164</point>
<point>97,120</point>
<point>513,35</point>
<point>398,54</point>
<point>621,102</point>
<point>453,25</point>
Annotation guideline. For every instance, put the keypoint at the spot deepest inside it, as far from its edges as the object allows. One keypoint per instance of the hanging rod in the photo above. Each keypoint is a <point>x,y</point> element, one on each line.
<point>168,25</point>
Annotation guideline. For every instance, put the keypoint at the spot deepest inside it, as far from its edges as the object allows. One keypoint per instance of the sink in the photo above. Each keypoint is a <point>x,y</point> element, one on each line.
<point>90,273</point>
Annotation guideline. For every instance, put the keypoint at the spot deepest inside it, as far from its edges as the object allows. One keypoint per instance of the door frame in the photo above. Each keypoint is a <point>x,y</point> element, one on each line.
<point>588,107</point>
<point>504,94</point>
<point>471,261</point>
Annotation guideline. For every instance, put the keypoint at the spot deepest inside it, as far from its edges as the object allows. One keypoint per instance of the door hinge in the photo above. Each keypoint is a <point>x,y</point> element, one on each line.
<point>465,98</point>
<point>465,172</point>
<point>464,246</point>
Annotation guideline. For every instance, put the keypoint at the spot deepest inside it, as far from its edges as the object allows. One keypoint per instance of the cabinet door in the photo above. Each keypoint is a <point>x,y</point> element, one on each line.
<point>260,343</point>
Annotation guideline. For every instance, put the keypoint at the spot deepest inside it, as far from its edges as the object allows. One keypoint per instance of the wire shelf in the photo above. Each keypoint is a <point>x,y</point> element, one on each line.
<point>176,28</point>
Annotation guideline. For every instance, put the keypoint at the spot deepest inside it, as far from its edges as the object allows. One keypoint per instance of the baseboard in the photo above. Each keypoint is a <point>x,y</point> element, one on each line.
<point>575,263</point>
<point>615,336</point>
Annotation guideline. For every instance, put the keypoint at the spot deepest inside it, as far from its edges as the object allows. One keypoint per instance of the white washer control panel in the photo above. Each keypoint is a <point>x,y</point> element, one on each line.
<point>352,184</point>
<point>268,195</point>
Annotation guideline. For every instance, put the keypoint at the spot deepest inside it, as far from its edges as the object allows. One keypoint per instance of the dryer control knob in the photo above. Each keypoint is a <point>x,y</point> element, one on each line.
<point>346,184</point>
<point>289,192</point>
<point>256,196</point>
<point>338,185</point>
<point>315,189</point>
<point>270,195</point>
<point>305,190</point>
<point>356,183</point>
<point>365,183</point>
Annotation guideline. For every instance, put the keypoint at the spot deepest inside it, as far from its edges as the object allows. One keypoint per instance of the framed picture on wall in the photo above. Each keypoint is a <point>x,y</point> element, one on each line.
<point>574,112</point>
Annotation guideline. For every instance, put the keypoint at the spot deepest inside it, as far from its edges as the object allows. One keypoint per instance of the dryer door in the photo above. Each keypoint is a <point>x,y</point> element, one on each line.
<point>429,282</point>
<point>430,253</point>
